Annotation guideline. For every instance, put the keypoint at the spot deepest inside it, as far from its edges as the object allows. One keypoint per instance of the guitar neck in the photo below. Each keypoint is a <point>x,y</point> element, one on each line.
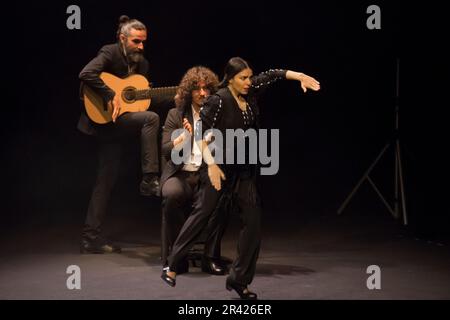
<point>155,92</point>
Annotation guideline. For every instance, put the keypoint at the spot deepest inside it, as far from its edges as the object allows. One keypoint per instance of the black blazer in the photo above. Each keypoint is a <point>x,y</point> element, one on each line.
<point>110,59</point>
<point>174,121</point>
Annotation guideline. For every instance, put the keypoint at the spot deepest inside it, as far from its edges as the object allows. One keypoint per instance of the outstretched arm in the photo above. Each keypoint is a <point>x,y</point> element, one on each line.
<point>264,79</point>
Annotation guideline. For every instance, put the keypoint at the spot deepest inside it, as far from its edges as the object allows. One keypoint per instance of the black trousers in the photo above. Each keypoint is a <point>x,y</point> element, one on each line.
<point>248,204</point>
<point>110,146</point>
<point>205,200</point>
<point>243,193</point>
<point>180,193</point>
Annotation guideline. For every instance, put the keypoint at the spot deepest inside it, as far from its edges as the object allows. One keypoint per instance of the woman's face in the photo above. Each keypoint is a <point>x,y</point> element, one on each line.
<point>241,82</point>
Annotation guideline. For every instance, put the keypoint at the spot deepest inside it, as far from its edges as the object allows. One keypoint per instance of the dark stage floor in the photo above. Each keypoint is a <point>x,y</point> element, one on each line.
<point>324,257</point>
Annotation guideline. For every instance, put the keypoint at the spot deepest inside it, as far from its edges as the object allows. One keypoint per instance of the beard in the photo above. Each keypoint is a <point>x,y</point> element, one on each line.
<point>134,55</point>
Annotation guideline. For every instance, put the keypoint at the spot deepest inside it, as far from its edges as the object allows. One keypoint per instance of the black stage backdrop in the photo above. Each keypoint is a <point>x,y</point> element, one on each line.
<point>328,139</point>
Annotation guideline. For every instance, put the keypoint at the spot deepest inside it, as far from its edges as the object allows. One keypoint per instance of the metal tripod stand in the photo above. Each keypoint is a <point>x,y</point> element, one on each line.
<point>399,203</point>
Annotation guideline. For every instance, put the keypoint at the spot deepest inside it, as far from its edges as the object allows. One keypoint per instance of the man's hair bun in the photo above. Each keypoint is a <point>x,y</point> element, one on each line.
<point>124,19</point>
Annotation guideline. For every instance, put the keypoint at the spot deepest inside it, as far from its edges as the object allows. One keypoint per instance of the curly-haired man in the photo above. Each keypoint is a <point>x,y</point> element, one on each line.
<point>183,186</point>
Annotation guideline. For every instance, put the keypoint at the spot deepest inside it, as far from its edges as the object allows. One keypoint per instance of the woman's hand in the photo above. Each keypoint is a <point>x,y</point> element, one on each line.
<point>308,82</point>
<point>215,175</point>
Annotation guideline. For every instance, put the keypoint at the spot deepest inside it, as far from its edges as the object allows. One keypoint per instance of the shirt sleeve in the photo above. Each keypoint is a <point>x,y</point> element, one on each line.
<point>264,79</point>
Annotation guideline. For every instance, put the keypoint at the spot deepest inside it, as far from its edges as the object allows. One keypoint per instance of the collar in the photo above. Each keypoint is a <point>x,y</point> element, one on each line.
<point>195,113</point>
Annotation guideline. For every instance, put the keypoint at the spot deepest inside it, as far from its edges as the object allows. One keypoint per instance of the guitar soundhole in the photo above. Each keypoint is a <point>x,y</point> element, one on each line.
<point>129,95</point>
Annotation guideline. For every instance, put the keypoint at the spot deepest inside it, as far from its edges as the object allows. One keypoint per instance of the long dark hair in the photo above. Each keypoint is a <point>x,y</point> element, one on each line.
<point>233,67</point>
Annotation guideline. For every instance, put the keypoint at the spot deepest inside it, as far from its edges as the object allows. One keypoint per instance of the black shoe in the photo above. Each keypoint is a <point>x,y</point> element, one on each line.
<point>98,245</point>
<point>212,266</point>
<point>183,267</point>
<point>150,186</point>
<point>241,290</point>
<point>167,279</point>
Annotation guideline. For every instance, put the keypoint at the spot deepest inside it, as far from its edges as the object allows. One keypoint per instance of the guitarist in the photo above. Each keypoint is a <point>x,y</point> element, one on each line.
<point>123,58</point>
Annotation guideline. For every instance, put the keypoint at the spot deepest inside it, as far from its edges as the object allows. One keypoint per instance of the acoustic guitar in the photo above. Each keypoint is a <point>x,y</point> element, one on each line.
<point>133,92</point>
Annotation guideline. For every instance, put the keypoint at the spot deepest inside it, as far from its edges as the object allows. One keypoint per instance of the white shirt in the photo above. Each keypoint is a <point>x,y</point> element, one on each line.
<point>196,156</point>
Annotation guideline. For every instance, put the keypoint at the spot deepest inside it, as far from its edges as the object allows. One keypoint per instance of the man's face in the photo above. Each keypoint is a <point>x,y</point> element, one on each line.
<point>199,94</point>
<point>134,44</point>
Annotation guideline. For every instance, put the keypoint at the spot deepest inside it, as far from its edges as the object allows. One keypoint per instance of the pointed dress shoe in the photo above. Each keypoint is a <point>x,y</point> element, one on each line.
<point>183,267</point>
<point>241,290</point>
<point>168,279</point>
<point>212,266</point>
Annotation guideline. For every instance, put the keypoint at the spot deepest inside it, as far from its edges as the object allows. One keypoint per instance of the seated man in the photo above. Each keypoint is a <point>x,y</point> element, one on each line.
<point>122,59</point>
<point>181,185</point>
